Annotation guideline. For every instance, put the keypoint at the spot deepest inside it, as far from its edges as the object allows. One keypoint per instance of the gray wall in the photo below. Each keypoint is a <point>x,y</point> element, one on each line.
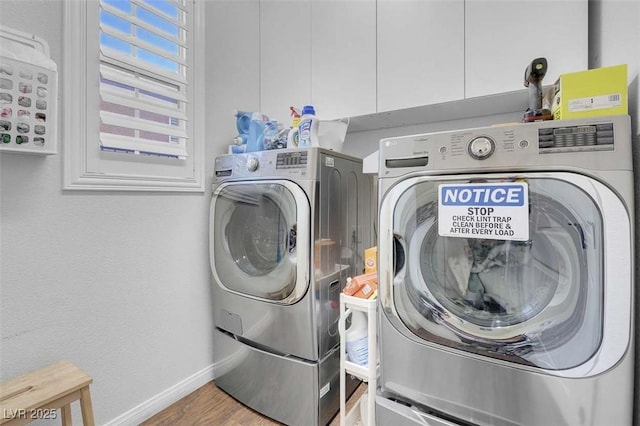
<point>111,281</point>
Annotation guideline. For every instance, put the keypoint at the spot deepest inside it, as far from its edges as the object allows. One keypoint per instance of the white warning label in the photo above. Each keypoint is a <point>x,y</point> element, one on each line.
<point>496,211</point>
<point>612,100</point>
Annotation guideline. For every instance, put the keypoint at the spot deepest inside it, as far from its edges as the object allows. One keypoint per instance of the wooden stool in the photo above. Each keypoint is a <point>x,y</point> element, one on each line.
<point>39,394</point>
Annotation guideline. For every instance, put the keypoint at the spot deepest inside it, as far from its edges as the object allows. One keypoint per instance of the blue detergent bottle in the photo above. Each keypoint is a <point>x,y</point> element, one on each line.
<point>255,141</point>
<point>243,120</point>
<point>308,128</point>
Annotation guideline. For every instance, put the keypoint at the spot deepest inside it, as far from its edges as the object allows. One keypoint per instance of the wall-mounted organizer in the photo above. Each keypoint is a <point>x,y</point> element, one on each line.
<point>28,94</point>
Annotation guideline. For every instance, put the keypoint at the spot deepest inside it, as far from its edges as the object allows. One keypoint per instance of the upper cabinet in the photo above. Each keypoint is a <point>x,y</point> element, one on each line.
<point>503,36</point>
<point>319,52</point>
<point>359,57</point>
<point>343,57</point>
<point>420,55</point>
<point>285,57</point>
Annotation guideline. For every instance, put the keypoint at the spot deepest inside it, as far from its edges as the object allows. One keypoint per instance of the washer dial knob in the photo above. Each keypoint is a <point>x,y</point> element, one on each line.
<point>252,163</point>
<point>481,147</point>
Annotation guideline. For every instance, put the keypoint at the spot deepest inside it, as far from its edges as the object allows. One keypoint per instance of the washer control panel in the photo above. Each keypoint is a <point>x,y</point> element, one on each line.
<point>481,147</point>
<point>252,163</point>
<point>292,160</point>
<point>595,143</point>
<point>288,163</point>
<point>586,137</point>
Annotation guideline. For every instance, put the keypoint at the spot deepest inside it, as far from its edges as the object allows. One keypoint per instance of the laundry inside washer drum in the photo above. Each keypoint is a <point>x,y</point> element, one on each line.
<point>500,284</point>
<point>258,237</point>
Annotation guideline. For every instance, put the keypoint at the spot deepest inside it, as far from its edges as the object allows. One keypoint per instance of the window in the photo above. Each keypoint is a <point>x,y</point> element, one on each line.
<point>133,95</point>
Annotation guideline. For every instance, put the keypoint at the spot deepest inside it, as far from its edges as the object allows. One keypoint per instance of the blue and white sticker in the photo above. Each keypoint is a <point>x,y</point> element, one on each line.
<point>494,211</point>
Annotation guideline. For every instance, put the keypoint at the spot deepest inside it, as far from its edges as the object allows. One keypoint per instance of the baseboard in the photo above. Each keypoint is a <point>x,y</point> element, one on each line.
<point>164,399</point>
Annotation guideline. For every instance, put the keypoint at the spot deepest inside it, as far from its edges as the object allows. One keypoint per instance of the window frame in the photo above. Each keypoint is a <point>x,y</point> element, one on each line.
<point>88,168</point>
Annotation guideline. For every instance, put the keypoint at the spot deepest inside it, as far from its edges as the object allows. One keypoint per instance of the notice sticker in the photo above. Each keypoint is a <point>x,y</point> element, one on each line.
<point>494,211</point>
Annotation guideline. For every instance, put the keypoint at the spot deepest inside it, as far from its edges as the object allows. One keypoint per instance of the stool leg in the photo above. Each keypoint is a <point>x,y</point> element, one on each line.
<point>85,406</point>
<point>66,415</point>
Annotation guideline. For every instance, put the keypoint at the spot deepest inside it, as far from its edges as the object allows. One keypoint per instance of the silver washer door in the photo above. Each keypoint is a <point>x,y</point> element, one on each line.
<point>553,302</point>
<point>260,240</point>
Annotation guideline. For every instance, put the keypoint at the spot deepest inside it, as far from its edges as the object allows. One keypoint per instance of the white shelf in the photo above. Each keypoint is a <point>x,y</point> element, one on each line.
<point>360,371</point>
<point>369,373</point>
<point>499,103</point>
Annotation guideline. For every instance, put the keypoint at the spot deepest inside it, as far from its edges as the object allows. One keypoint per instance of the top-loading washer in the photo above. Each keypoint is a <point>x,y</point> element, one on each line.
<point>287,227</point>
<point>506,275</point>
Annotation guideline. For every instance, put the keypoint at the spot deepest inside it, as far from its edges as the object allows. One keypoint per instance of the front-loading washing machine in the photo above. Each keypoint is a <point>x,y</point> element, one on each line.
<point>506,275</point>
<point>287,227</point>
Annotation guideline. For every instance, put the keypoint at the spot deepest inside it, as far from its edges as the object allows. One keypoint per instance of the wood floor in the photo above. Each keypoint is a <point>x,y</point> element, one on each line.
<point>211,406</point>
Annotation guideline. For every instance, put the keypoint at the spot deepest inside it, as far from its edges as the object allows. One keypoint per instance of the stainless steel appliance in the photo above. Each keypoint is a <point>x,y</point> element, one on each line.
<point>287,229</point>
<point>506,275</point>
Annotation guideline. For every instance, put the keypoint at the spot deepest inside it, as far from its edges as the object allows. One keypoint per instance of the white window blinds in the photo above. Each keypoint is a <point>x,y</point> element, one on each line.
<point>143,68</point>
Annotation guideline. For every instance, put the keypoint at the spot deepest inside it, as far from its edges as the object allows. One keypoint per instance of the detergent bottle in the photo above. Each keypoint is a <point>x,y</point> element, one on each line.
<point>294,134</point>
<point>255,140</point>
<point>357,339</point>
<point>243,119</point>
<point>308,128</point>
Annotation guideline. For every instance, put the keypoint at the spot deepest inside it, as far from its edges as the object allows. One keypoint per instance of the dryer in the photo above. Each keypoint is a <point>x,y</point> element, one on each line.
<point>287,227</point>
<point>506,275</point>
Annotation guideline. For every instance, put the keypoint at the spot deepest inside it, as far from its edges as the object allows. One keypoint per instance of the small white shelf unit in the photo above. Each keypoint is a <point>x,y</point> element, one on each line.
<point>368,374</point>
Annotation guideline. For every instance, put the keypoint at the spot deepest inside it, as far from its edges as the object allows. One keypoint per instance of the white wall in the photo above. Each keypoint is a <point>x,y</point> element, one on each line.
<point>614,39</point>
<point>108,280</point>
